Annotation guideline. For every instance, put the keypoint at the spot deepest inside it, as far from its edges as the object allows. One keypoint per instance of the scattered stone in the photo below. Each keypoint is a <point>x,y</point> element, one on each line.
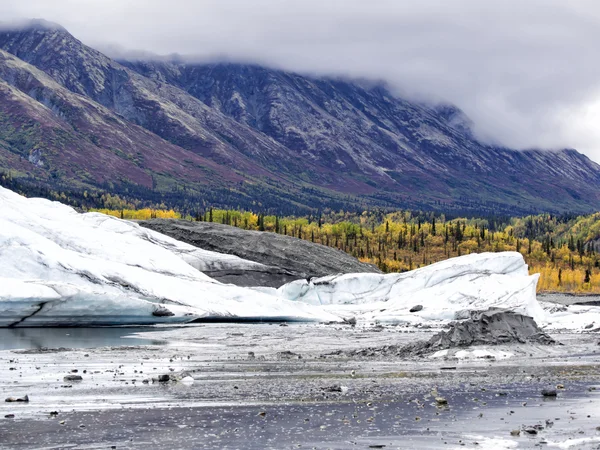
<point>164,378</point>
<point>288,355</point>
<point>24,399</point>
<point>441,401</point>
<point>549,393</point>
<point>251,355</point>
<point>73,378</point>
<point>333,388</point>
<point>351,321</point>
<point>283,324</point>
<point>416,308</point>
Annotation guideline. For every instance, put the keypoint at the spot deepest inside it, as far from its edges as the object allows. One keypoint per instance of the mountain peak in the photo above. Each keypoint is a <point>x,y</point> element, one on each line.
<point>31,25</point>
<point>349,141</point>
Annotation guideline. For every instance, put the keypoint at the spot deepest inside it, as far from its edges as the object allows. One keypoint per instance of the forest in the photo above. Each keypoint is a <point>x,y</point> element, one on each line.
<point>562,248</point>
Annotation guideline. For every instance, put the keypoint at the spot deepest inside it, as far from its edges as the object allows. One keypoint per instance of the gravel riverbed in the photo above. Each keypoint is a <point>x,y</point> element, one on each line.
<point>261,386</point>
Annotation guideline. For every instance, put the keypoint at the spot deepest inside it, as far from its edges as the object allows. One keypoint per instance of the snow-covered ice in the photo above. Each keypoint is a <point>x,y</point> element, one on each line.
<point>60,267</point>
<point>447,290</point>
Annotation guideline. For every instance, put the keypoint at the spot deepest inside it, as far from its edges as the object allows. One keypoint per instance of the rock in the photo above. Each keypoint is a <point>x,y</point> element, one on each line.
<point>549,393</point>
<point>351,321</point>
<point>560,386</point>
<point>530,430</point>
<point>251,355</point>
<point>416,308</point>
<point>515,433</point>
<point>164,378</point>
<point>73,378</point>
<point>24,399</point>
<point>161,311</point>
<point>9,416</point>
<point>333,388</point>
<point>262,414</point>
<point>285,355</point>
<point>441,401</point>
<point>281,259</point>
<point>589,326</point>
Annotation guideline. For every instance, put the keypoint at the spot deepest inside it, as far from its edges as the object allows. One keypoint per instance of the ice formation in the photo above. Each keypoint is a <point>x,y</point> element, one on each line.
<point>446,290</point>
<point>60,267</point>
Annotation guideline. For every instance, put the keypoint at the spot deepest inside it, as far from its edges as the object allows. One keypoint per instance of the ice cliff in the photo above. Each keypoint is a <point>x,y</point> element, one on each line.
<point>59,267</point>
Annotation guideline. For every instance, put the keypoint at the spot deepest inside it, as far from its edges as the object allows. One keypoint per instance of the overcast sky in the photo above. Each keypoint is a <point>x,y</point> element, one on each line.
<point>527,72</point>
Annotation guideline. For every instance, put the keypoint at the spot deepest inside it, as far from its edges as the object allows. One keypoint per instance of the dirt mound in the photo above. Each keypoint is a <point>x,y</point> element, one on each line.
<point>492,327</point>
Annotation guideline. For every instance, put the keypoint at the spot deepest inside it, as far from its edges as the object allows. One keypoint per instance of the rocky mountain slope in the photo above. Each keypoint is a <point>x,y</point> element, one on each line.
<point>288,258</point>
<point>233,134</point>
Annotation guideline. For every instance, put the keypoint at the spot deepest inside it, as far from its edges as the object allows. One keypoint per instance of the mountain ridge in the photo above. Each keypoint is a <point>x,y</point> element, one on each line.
<point>303,142</point>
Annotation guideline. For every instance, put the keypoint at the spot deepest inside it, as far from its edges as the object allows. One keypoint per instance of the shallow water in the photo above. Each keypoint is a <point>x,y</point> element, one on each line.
<point>37,338</point>
<point>238,372</point>
<point>472,419</point>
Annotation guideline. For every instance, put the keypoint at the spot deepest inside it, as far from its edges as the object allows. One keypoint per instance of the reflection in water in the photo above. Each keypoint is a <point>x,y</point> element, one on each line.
<point>28,338</point>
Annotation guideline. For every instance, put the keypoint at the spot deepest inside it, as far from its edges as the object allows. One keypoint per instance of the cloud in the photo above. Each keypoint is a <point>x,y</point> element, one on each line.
<point>526,72</point>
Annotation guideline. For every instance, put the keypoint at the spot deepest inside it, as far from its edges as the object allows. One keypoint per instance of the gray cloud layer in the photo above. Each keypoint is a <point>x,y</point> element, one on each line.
<point>526,71</point>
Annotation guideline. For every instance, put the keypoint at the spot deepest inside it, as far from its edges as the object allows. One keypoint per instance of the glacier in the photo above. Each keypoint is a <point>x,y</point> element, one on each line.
<point>60,267</point>
<point>447,290</point>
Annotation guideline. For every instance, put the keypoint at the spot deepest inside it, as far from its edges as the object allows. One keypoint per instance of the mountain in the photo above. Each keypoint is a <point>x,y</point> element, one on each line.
<point>244,135</point>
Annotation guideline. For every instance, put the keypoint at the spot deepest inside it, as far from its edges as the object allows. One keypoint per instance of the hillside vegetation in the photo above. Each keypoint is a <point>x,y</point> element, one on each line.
<point>563,249</point>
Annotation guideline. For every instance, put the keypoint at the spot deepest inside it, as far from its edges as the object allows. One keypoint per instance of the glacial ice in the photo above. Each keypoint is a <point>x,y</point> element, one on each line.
<point>447,290</point>
<point>60,267</point>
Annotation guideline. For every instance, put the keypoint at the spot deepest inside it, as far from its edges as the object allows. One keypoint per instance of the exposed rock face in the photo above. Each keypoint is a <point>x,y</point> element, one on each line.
<point>492,327</point>
<point>295,141</point>
<point>286,258</point>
